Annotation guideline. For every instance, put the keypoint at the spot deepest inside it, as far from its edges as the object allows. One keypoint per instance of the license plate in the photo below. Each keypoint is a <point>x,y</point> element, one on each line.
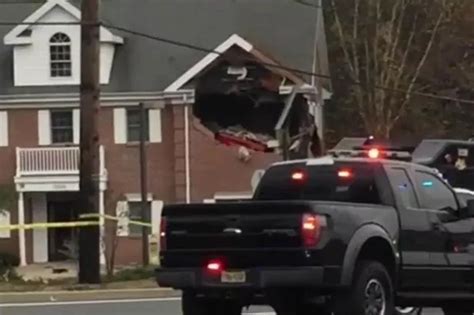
<point>233,277</point>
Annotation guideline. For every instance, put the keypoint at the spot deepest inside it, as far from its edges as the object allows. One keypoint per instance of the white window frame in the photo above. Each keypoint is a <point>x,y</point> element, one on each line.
<point>60,40</point>
<point>72,126</point>
<point>147,117</point>
<point>121,126</point>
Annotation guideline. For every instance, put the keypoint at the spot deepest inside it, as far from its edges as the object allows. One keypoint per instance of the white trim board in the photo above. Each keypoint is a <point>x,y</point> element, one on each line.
<point>233,40</point>
<point>14,38</point>
<point>155,100</point>
<point>4,129</point>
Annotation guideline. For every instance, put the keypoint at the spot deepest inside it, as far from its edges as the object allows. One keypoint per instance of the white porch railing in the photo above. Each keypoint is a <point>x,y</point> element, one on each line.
<point>50,161</point>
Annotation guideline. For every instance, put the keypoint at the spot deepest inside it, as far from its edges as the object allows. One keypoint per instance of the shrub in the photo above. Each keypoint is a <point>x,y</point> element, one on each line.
<point>7,264</point>
<point>131,274</point>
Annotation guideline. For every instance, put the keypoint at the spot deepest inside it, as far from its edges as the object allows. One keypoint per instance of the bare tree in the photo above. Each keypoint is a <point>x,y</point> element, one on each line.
<point>385,45</point>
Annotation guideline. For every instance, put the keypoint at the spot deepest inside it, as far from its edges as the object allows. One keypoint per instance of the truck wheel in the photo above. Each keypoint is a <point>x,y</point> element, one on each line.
<point>371,292</point>
<point>191,305</point>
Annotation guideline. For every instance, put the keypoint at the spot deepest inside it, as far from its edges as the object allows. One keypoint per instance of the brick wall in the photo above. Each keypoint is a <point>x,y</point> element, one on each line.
<point>123,166</point>
<point>216,167</point>
<point>22,133</point>
<point>213,167</point>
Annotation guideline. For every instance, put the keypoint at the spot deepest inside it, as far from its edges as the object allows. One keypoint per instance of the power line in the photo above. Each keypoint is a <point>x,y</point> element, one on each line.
<point>278,66</point>
<point>266,64</point>
<point>8,23</point>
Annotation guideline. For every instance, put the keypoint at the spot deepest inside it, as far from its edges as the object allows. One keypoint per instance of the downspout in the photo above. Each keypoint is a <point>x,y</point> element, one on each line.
<point>186,152</point>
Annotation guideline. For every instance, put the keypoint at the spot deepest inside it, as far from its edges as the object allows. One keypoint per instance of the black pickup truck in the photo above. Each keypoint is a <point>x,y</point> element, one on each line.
<point>325,236</point>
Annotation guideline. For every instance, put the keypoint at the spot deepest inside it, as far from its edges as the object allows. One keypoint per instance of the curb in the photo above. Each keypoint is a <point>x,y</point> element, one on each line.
<point>86,295</point>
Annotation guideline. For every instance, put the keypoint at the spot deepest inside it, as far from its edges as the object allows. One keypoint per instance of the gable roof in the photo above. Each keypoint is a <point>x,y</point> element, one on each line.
<point>283,28</point>
<point>14,36</point>
<point>234,40</point>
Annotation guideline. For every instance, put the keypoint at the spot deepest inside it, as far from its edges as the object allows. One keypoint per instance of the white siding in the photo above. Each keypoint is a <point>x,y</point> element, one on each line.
<point>154,117</point>
<point>3,129</point>
<point>32,62</point>
<point>120,125</point>
<point>76,124</point>
<point>44,127</point>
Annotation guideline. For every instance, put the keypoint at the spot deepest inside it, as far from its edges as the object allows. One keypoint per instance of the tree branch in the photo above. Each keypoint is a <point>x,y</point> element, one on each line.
<point>421,63</point>
<point>342,41</point>
<point>389,40</point>
<point>396,41</point>
<point>355,38</point>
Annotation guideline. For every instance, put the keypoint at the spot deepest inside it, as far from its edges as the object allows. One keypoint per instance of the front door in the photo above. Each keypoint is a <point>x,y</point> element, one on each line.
<point>61,241</point>
<point>451,236</point>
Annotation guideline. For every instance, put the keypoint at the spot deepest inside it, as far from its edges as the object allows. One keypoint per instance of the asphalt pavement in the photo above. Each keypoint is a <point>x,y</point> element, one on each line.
<point>157,306</point>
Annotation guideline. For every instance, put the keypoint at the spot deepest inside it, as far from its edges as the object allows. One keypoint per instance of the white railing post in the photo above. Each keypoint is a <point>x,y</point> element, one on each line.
<point>18,162</point>
<point>102,160</point>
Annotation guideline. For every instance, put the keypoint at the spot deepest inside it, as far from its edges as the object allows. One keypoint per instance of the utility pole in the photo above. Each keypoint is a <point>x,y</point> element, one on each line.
<point>143,185</point>
<point>89,237</point>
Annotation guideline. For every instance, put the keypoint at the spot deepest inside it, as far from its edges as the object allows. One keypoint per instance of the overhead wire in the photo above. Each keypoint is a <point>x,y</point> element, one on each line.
<point>187,45</point>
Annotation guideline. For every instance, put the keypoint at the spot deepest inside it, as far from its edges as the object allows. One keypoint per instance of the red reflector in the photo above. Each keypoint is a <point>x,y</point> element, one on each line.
<point>163,234</point>
<point>214,266</point>
<point>298,176</point>
<point>311,229</point>
<point>374,153</point>
<point>344,174</point>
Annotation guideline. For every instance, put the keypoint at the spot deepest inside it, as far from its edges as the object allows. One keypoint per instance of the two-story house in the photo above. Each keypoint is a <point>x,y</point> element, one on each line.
<point>211,118</point>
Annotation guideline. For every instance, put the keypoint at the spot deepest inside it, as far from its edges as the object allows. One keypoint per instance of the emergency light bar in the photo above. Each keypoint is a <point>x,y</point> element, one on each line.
<point>373,154</point>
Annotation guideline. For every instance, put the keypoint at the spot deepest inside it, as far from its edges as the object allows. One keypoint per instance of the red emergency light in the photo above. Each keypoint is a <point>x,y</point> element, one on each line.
<point>374,153</point>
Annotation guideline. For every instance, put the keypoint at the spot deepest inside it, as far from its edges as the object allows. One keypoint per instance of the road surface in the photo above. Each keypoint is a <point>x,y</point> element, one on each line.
<point>164,306</point>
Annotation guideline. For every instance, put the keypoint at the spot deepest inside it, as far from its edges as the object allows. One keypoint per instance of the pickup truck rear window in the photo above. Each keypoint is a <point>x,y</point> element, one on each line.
<point>353,183</point>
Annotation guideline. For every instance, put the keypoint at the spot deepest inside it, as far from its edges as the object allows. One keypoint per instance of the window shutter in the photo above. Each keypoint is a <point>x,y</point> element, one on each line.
<point>76,125</point>
<point>156,208</point>
<point>120,125</point>
<point>44,127</point>
<point>3,129</point>
<point>154,121</point>
<point>122,214</point>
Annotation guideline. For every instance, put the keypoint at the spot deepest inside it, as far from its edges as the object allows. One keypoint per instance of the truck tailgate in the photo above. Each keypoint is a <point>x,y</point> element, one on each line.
<point>256,233</point>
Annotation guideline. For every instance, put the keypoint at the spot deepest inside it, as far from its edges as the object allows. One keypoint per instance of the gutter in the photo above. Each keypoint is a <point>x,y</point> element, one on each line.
<point>107,99</point>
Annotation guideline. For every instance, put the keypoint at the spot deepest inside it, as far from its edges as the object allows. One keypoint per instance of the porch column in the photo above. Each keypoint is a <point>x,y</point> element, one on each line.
<point>102,227</point>
<point>21,231</point>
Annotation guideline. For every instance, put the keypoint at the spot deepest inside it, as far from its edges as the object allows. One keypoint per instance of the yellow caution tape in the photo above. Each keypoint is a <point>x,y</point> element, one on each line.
<point>53,225</point>
<point>110,217</point>
<point>58,225</point>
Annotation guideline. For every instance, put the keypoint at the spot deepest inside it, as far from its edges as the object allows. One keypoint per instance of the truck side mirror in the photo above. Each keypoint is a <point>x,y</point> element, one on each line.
<point>468,212</point>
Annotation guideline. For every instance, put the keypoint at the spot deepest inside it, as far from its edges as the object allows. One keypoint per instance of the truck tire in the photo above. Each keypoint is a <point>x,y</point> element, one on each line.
<point>191,305</point>
<point>371,292</point>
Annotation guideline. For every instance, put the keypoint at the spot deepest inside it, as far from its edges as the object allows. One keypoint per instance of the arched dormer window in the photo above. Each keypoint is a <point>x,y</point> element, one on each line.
<point>60,55</point>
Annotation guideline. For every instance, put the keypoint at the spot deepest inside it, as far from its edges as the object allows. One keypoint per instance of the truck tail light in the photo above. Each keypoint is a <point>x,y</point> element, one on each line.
<point>215,266</point>
<point>163,231</point>
<point>311,228</point>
